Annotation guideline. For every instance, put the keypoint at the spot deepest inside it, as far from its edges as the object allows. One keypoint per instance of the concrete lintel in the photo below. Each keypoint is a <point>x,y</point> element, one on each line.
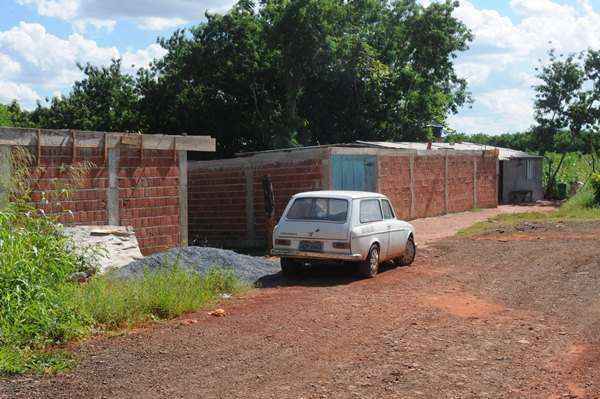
<point>250,219</point>
<point>112,194</point>
<point>183,198</point>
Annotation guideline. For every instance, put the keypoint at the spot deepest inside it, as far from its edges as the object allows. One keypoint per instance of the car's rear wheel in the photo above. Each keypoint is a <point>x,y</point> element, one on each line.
<point>290,267</point>
<point>370,266</point>
<point>409,254</point>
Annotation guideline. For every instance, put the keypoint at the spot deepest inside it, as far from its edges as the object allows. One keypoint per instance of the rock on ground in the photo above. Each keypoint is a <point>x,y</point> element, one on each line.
<point>105,247</point>
<point>201,259</point>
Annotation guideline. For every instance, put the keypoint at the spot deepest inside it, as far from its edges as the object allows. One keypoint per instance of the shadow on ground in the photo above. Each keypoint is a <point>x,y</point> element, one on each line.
<point>319,275</point>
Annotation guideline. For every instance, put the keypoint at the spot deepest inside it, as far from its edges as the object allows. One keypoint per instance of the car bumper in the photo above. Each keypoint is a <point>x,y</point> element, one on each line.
<point>293,253</point>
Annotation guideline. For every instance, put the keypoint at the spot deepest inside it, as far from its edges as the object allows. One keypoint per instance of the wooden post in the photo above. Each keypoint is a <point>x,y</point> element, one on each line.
<point>269,210</point>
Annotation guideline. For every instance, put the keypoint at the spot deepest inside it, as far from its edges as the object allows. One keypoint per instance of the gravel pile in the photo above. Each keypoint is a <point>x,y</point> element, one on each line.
<point>200,259</point>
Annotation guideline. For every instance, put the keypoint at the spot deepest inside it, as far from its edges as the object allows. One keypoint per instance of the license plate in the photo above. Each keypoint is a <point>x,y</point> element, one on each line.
<point>311,246</point>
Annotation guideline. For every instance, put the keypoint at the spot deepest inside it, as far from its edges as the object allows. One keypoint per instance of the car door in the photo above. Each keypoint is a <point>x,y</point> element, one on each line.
<point>371,216</point>
<point>398,232</point>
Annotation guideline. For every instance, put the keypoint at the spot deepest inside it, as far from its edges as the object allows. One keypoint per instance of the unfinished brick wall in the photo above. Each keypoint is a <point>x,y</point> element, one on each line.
<point>395,182</point>
<point>149,197</point>
<point>438,189</point>
<point>217,205</point>
<point>287,179</point>
<point>226,200</point>
<point>148,191</point>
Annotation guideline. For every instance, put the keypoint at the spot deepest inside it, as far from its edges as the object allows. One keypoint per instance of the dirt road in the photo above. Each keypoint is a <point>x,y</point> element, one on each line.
<point>512,314</point>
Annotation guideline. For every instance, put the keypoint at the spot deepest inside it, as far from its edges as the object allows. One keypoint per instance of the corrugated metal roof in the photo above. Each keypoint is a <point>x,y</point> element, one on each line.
<point>503,153</point>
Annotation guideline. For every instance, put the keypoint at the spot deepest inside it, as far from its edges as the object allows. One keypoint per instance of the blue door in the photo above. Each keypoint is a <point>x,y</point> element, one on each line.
<point>353,172</point>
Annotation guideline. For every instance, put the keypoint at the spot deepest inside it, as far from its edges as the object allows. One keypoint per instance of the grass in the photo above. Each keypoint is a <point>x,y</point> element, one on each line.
<point>580,207</point>
<point>165,294</point>
<point>41,309</point>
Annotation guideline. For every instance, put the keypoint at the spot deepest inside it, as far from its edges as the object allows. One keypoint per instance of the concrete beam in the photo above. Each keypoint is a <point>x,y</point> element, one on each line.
<point>446,200</point>
<point>413,196</point>
<point>112,194</point>
<point>87,139</point>
<point>183,198</point>
<point>250,218</point>
<point>475,183</point>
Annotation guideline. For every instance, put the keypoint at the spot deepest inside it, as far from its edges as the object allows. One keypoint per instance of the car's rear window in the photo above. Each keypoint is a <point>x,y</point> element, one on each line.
<point>327,209</point>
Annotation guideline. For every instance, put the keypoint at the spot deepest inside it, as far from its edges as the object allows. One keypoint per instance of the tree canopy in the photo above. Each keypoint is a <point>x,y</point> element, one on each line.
<point>285,72</point>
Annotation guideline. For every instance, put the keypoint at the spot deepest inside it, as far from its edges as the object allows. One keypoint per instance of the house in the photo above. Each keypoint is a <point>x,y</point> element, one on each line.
<point>226,200</point>
<point>519,174</point>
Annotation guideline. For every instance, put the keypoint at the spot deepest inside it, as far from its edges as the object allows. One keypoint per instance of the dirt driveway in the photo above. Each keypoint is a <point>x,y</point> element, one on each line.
<point>512,314</point>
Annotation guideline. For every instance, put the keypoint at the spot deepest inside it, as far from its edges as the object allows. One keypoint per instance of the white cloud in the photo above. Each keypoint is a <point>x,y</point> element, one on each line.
<point>8,66</point>
<point>62,9</point>
<point>154,15</point>
<point>81,25</point>
<point>32,57</point>
<point>158,23</point>
<point>500,64</point>
<point>24,94</point>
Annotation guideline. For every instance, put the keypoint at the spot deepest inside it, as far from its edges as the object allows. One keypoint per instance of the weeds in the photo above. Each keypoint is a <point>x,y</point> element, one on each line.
<point>41,309</point>
<point>580,207</point>
<point>117,303</point>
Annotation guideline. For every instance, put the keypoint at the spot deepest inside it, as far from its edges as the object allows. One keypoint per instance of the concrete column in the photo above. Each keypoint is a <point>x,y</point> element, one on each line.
<point>5,174</point>
<point>413,196</point>
<point>183,197</point>
<point>475,183</point>
<point>250,220</point>
<point>446,202</point>
<point>112,194</point>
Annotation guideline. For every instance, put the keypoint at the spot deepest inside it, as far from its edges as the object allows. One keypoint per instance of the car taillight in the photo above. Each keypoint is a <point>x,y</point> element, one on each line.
<point>341,245</point>
<point>280,241</point>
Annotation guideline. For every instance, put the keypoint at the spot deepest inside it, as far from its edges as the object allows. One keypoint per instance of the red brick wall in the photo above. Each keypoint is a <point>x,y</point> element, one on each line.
<point>394,181</point>
<point>216,205</point>
<point>217,197</point>
<point>429,186</point>
<point>460,183</point>
<point>429,173</point>
<point>148,192</point>
<point>149,197</point>
<point>288,179</point>
<point>487,183</point>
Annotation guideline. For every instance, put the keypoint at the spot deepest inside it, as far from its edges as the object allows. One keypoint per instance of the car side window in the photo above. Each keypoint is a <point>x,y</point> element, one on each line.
<point>388,212</point>
<point>370,211</point>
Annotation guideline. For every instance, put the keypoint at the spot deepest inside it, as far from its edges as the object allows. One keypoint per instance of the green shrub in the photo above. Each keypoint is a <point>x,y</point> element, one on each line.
<point>595,184</point>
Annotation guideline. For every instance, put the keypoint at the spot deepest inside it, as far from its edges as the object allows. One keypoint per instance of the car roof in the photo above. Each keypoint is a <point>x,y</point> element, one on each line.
<point>343,194</point>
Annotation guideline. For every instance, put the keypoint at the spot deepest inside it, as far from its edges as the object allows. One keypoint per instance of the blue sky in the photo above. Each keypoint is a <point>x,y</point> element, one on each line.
<point>42,40</point>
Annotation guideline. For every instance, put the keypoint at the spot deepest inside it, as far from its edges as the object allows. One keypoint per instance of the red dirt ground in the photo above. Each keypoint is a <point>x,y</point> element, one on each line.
<point>471,318</point>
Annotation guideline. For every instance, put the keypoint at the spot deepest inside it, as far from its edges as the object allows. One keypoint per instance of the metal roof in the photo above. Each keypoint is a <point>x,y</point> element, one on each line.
<point>503,153</point>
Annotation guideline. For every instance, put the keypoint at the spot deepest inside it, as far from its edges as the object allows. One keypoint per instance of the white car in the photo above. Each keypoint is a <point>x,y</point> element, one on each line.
<point>350,226</point>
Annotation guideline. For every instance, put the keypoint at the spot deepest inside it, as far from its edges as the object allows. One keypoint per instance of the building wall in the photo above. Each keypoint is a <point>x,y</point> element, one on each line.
<point>515,178</point>
<point>147,189</point>
<point>226,204</point>
<point>226,199</point>
<point>439,183</point>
